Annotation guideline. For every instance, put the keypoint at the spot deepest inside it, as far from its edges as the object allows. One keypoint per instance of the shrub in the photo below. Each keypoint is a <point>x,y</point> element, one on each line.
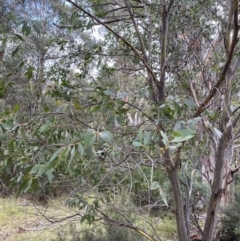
<point>231,220</point>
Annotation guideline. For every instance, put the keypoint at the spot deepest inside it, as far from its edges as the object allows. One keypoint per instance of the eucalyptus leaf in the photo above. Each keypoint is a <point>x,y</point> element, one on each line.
<point>106,136</point>
<point>191,104</point>
<point>154,185</point>
<point>137,144</point>
<point>182,138</point>
<point>164,197</point>
<point>89,138</point>
<point>109,92</point>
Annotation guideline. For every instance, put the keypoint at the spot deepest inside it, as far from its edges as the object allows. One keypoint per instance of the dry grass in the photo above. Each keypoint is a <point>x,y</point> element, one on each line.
<point>22,220</point>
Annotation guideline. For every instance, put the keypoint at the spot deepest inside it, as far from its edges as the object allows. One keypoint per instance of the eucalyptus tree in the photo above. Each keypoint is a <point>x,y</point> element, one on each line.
<point>175,69</point>
<point>183,48</point>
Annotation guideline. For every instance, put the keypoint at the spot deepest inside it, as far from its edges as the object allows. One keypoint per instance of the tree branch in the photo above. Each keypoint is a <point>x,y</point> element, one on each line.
<point>227,63</point>
<point>135,51</point>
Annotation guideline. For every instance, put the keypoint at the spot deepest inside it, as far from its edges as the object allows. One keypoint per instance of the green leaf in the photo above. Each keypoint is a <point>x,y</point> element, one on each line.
<point>50,175</point>
<point>191,104</point>
<point>35,169</point>
<point>35,184</point>
<point>183,133</point>
<point>6,125</point>
<point>14,52</point>
<point>20,20</point>
<point>37,26</point>
<point>187,132</point>
<point>154,185</point>
<point>106,136</point>
<point>176,133</point>
<point>80,150</point>
<point>147,137</point>
<point>44,128</point>
<point>53,160</point>
<point>137,144</point>
<point>89,139</point>
<point>4,137</point>
<point>182,138</point>
<point>72,153</point>
<point>19,36</point>
<point>164,197</point>
<point>140,135</point>
<point>109,92</point>
<point>121,95</point>
<point>165,138</point>
<point>26,184</point>
<point>29,72</point>
<point>16,108</point>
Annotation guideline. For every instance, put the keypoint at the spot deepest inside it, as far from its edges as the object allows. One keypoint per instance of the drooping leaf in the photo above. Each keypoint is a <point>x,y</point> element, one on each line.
<point>80,150</point>
<point>19,36</point>
<point>106,136</point>
<point>191,104</point>
<point>217,132</point>
<point>165,138</point>
<point>154,185</point>
<point>37,26</point>
<point>26,184</point>
<point>35,184</point>
<point>49,174</point>
<point>53,160</point>
<point>14,52</point>
<point>72,153</point>
<point>164,197</point>
<point>16,108</point>
<point>89,139</point>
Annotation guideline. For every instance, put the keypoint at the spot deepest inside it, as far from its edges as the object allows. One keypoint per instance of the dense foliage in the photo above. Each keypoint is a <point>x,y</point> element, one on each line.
<point>127,105</point>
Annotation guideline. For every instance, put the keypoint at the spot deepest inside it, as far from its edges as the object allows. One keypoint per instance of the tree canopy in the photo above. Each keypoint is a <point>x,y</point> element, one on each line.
<point>134,103</point>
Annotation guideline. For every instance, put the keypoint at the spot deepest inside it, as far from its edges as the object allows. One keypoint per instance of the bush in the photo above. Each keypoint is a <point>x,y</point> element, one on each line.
<point>112,233</point>
<point>231,220</point>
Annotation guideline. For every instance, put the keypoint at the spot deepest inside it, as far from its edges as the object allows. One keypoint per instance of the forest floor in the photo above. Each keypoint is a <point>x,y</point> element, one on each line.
<point>21,219</point>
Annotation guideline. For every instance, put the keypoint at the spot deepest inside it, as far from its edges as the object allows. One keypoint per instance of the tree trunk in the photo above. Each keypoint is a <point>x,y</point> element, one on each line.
<point>179,210</point>
<point>217,189</point>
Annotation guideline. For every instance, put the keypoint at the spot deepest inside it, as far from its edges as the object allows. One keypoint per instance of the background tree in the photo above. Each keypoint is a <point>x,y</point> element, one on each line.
<point>175,93</point>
